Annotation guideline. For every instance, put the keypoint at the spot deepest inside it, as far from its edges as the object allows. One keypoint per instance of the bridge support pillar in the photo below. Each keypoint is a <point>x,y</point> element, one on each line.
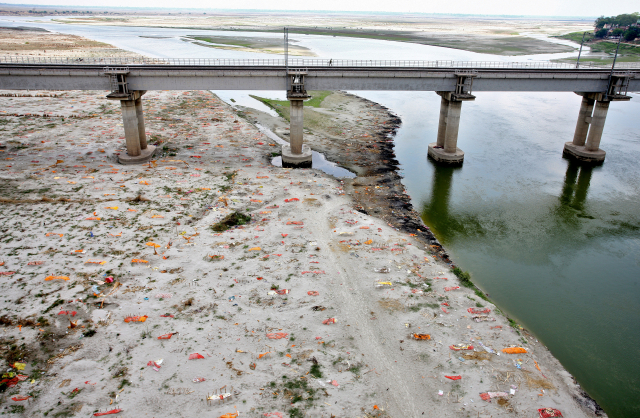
<point>586,139</point>
<point>134,132</point>
<point>446,150</point>
<point>296,154</point>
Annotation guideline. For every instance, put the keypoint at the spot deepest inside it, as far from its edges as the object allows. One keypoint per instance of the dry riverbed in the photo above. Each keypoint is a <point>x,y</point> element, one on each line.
<point>307,307</point>
<point>47,44</point>
<point>499,36</point>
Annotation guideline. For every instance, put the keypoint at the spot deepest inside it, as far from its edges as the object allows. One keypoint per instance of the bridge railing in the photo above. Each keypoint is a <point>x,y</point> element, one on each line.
<point>303,63</point>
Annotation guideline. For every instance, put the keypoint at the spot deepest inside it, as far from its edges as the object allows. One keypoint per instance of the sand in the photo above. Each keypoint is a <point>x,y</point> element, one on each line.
<point>46,44</point>
<point>306,256</point>
<point>501,36</point>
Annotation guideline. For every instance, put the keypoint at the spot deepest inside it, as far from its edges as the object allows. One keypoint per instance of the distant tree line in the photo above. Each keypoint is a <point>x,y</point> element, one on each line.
<point>625,25</point>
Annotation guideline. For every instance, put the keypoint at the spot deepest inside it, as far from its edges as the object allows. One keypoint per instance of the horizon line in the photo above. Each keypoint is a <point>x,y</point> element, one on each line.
<point>335,12</point>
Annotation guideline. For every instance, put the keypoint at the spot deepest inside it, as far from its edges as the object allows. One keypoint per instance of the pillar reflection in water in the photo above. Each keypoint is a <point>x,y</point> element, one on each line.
<point>576,185</point>
<point>435,211</point>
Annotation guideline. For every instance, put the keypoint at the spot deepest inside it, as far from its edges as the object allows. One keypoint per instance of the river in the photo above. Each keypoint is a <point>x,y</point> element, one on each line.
<point>556,245</point>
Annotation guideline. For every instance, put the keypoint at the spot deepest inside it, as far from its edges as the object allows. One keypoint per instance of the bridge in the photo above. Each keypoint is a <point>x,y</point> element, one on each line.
<point>128,79</point>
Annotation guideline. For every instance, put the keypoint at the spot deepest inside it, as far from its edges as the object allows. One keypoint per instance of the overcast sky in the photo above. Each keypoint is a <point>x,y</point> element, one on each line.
<point>491,7</point>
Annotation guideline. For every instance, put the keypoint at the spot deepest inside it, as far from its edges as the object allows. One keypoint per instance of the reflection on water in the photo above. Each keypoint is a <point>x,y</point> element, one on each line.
<point>576,185</point>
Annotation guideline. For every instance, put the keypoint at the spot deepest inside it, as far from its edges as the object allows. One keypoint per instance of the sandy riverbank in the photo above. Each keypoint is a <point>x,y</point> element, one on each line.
<point>71,211</point>
<point>250,300</point>
<point>501,36</point>
<point>47,44</point>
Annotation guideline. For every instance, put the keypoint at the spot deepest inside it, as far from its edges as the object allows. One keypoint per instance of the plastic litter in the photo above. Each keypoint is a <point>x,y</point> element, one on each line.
<point>383,284</point>
<point>549,413</point>
<point>167,336</point>
<point>382,270</point>
<point>113,411</point>
<point>277,335</point>
<point>449,288</point>
<point>421,336</point>
<point>479,311</point>
<point>454,377</point>
<point>19,366</point>
<point>313,293</point>
<point>195,356</point>
<point>487,396</point>
<point>156,364</point>
<point>49,278</point>
<point>483,318</point>
<point>12,381</point>
<point>136,318</point>
<point>20,398</point>
<point>199,380</point>
<point>459,347</point>
<point>329,321</point>
<point>487,349</point>
<point>514,350</point>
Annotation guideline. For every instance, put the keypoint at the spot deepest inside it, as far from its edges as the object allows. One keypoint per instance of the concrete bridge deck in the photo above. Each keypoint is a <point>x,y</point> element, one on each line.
<point>129,78</point>
<point>212,74</point>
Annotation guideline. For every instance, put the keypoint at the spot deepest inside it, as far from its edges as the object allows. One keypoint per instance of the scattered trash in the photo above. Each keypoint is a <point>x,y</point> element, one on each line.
<point>458,347</point>
<point>277,335</point>
<point>454,377</point>
<point>136,318</point>
<point>329,321</point>
<point>195,356</point>
<point>382,270</point>
<point>483,318</point>
<point>479,311</point>
<point>156,364</point>
<point>334,383</point>
<point>20,398</point>
<point>487,396</point>
<point>421,336</point>
<point>113,411</point>
<point>167,336</point>
<point>49,278</point>
<point>440,393</point>
<point>487,349</point>
<point>514,350</point>
<point>448,288</point>
<point>199,380</point>
<point>313,293</point>
<point>383,284</point>
<point>549,413</point>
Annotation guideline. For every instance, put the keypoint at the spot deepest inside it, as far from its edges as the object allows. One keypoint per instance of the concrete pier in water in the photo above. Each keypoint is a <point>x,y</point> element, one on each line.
<point>445,150</point>
<point>589,127</point>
